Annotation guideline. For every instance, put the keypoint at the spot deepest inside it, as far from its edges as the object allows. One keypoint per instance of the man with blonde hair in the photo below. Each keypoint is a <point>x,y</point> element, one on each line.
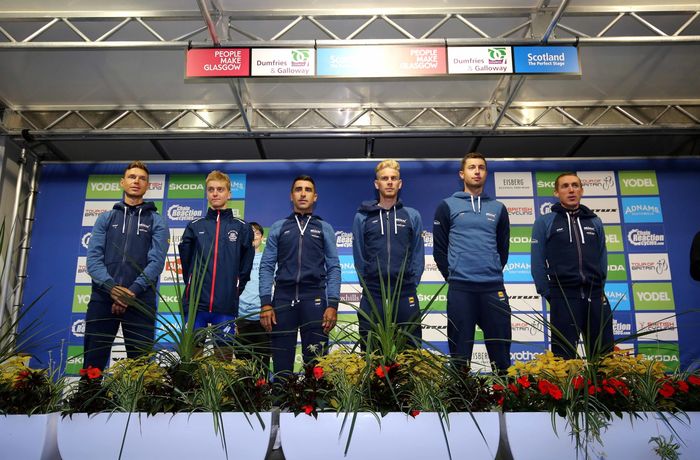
<point>225,244</point>
<point>388,236</point>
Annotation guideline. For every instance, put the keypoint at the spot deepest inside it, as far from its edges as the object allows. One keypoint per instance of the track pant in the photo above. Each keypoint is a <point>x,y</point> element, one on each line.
<point>101,327</point>
<point>580,311</point>
<point>406,315</point>
<point>491,312</point>
<point>252,341</point>
<point>305,316</point>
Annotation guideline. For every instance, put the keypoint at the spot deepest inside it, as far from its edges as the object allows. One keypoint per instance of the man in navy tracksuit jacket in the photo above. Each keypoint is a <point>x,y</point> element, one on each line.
<point>126,254</point>
<point>471,237</point>
<point>385,235</point>
<point>307,280</point>
<point>569,266</point>
<point>224,243</point>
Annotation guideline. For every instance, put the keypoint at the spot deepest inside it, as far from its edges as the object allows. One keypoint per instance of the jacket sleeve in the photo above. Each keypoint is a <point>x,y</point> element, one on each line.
<point>358,245</point>
<point>247,256</point>
<point>441,238</point>
<point>603,251</point>
<point>156,257</point>
<point>538,261</point>
<point>418,248</point>
<point>96,253</point>
<point>332,266</point>
<point>695,258</point>
<point>268,263</point>
<point>503,236</point>
<point>186,248</point>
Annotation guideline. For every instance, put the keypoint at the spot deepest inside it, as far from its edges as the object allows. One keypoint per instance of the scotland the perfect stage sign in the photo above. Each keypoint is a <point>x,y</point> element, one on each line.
<point>546,60</point>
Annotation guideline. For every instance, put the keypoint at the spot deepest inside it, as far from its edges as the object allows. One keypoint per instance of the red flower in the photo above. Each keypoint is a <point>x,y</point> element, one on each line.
<point>497,387</point>
<point>609,389</point>
<point>500,400</point>
<point>593,390</point>
<point>83,372</point>
<point>556,392</point>
<point>577,382</point>
<point>543,386</point>
<point>261,381</point>
<point>380,371</point>
<point>694,380</point>
<point>682,386</point>
<point>513,388</point>
<point>308,408</point>
<point>93,372</point>
<point>524,381</point>
<point>21,375</point>
<point>414,413</point>
<point>667,390</point>
<point>318,372</point>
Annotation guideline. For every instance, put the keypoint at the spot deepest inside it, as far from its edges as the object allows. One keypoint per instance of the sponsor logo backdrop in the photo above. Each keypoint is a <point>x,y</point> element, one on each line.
<point>643,204</point>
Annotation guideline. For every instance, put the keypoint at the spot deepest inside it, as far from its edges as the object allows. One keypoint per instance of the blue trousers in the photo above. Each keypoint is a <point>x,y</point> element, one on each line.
<point>405,316</point>
<point>580,311</point>
<point>101,327</point>
<point>305,316</point>
<point>491,312</point>
<point>223,323</point>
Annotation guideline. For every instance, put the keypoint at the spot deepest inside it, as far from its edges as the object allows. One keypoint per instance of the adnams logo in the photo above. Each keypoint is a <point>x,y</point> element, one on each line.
<point>642,209</point>
<point>517,269</point>
<point>618,295</point>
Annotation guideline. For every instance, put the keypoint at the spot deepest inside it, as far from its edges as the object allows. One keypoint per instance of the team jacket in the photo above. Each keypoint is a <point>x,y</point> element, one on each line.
<point>226,243</point>
<point>381,241</point>
<point>127,248</point>
<point>568,249</point>
<point>471,237</point>
<point>303,249</point>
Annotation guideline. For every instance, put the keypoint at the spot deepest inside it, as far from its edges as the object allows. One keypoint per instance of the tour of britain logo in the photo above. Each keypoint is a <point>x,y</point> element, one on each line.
<point>598,183</point>
<point>649,267</point>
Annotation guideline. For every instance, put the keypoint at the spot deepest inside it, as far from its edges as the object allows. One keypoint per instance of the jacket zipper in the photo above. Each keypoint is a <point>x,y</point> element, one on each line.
<point>300,246</point>
<point>216,258</point>
<point>580,252</point>
<point>388,248</point>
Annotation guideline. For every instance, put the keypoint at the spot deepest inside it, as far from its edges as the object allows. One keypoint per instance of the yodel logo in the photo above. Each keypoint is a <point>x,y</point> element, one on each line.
<point>105,187</point>
<point>651,296</point>
<point>634,182</point>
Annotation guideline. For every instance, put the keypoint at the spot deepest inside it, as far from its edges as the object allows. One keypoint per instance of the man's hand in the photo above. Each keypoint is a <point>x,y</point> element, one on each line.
<point>267,317</point>
<point>120,295</point>
<point>330,317</point>
<point>118,309</point>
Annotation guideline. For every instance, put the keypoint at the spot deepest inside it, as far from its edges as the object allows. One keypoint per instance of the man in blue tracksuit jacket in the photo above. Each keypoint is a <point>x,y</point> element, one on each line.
<point>307,280</point>
<point>471,237</point>
<point>385,234</point>
<point>224,243</point>
<point>569,266</point>
<point>126,254</point>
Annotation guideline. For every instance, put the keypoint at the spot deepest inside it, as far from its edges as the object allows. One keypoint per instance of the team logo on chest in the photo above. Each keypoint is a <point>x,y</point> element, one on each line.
<point>233,236</point>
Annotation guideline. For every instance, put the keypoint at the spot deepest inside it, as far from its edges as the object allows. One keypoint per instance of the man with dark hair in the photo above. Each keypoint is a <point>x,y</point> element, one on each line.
<point>224,243</point>
<point>253,339</point>
<point>569,266</point>
<point>126,254</point>
<point>386,236</point>
<point>471,237</point>
<point>307,280</point>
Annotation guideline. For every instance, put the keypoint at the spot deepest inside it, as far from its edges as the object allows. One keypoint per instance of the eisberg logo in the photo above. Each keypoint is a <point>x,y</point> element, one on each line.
<point>182,213</point>
<point>513,184</point>
<point>646,238</point>
<point>343,239</point>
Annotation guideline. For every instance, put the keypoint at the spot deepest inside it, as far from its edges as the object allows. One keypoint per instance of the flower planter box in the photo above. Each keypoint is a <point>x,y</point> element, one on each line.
<point>395,435</point>
<point>30,437</point>
<point>171,436</point>
<point>531,434</point>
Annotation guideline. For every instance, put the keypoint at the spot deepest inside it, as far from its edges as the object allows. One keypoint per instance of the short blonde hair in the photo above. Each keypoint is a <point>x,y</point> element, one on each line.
<point>219,176</point>
<point>393,164</point>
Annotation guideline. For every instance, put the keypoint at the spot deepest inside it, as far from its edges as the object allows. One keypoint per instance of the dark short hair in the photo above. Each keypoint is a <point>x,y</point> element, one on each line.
<point>139,165</point>
<point>568,173</point>
<point>257,227</point>
<point>303,177</point>
<point>471,155</point>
